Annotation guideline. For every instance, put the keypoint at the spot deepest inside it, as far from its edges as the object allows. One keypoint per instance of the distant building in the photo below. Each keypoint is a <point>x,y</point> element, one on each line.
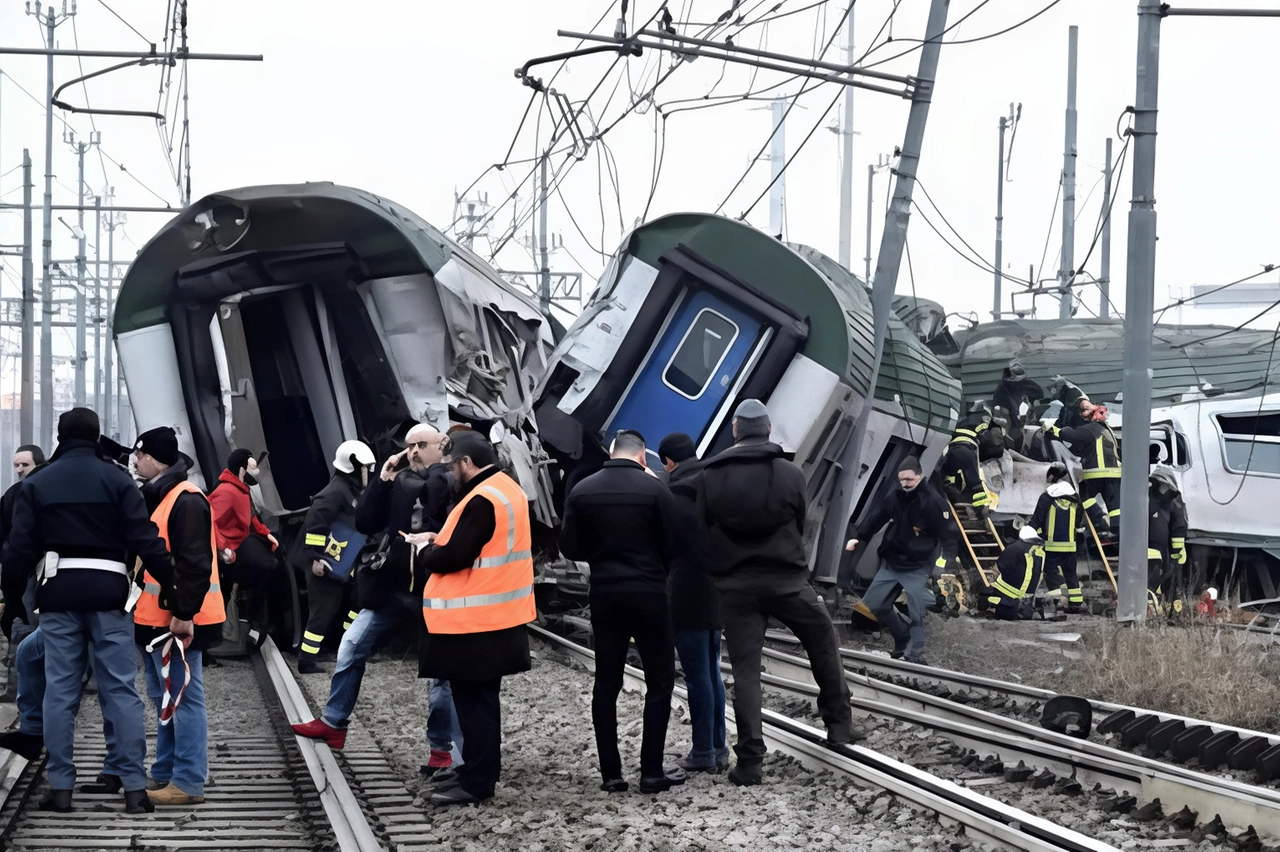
<point>1212,304</point>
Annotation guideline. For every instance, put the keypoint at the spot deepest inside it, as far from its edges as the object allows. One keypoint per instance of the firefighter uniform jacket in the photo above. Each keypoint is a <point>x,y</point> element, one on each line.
<point>960,468</point>
<point>335,504</point>
<point>1095,445</point>
<point>1020,566</point>
<point>1167,528</point>
<point>1057,516</point>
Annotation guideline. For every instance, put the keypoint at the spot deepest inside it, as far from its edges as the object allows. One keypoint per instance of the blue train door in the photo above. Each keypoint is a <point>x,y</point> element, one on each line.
<point>689,371</point>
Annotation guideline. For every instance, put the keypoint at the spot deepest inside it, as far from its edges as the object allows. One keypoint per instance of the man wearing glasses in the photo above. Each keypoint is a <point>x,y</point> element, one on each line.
<point>402,502</point>
<point>176,621</point>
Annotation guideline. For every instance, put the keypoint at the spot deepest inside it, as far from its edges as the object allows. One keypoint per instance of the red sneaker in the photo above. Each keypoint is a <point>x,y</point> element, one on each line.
<point>316,729</point>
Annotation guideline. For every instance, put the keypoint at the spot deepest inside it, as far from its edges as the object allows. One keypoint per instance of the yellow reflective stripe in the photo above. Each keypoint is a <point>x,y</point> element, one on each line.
<point>996,601</point>
<point>314,637</point>
<point>1114,513</point>
<point>1007,590</point>
<point>314,540</point>
<point>346,625</point>
<point>1179,543</point>
<point>309,649</point>
<point>942,562</point>
<point>1060,546</point>
<point>1101,473</point>
<point>1091,502</point>
<point>499,561</point>
<point>1075,595</point>
<point>352,614</point>
<point>1152,553</point>
<point>477,600</point>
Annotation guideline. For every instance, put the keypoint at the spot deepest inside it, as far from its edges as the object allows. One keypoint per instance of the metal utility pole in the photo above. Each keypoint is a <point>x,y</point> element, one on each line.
<point>28,307</point>
<point>544,273</point>
<point>1104,281</point>
<point>888,262</point>
<point>872,168</point>
<point>999,263</point>
<point>82,356</point>
<point>46,319</point>
<point>778,162</point>
<point>1066,270</point>
<point>97,304</point>
<point>846,162</point>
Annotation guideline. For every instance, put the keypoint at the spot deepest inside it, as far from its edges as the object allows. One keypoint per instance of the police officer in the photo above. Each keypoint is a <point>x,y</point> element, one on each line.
<point>1166,536</point>
<point>318,550</point>
<point>1020,566</point>
<point>189,608</point>
<point>1056,518</point>
<point>476,599</point>
<point>82,515</point>
<point>1095,445</point>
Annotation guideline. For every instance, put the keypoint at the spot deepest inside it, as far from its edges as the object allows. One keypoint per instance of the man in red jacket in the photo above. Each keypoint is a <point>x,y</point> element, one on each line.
<point>246,548</point>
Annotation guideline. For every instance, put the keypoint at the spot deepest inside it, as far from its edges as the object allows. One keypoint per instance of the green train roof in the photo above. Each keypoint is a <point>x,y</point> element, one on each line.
<point>388,238</point>
<point>831,298</point>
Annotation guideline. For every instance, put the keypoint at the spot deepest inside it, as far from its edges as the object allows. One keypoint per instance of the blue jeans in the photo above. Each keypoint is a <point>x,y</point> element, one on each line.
<point>29,665</point>
<point>182,746</point>
<point>67,639</point>
<point>357,647</point>
<point>699,652</point>
<point>908,636</point>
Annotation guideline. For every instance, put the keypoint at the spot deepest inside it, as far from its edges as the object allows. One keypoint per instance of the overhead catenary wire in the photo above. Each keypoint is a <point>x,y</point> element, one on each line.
<point>1160,312</point>
<point>975,40</point>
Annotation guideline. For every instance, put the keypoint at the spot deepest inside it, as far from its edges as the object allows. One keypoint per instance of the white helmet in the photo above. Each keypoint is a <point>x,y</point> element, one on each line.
<point>349,450</point>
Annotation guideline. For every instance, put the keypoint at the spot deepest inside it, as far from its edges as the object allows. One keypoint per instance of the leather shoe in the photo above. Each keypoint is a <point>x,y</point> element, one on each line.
<point>317,729</point>
<point>445,776</point>
<point>747,776</point>
<point>173,796</point>
<point>309,667</point>
<point>664,782</point>
<point>104,784</point>
<point>58,801</point>
<point>138,802</point>
<point>615,785</point>
<point>712,768</point>
<point>455,796</point>
<point>24,745</point>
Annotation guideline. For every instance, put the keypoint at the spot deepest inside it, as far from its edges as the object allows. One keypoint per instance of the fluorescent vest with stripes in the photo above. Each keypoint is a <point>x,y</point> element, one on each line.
<point>496,592</point>
<point>148,611</point>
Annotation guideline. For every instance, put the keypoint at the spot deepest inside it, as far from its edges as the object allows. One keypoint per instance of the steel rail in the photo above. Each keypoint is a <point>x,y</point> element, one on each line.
<point>983,817</point>
<point>350,826</point>
<point>1013,740</point>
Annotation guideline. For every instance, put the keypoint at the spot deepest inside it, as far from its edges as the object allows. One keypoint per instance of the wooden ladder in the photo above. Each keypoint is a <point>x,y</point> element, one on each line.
<point>980,539</point>
<point>1108,551</point>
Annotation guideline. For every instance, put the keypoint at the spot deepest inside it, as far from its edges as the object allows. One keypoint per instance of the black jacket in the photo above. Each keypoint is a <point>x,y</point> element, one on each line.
<point>1167,526</point>
<point>336,503</point>
<point>468,656</point>
<point>412,502</point>
<point>623,522</point>
<point>1096,447</point>
<point>753,507</point>
<point>695,605</point>
<point>12,585</point>
<point>1010,393</point>
<point>80,505</point>
<point>191,548</point>
<point>919,522</point>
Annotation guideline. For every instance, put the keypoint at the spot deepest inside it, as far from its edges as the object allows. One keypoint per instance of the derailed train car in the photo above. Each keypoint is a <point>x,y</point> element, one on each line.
<point>695,313</point>
<point>291,318</point>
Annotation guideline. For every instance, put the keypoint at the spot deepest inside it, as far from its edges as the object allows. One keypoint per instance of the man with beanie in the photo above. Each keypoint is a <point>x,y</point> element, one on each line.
<point>753,505</point>
<point>623,522</point>
<point>695,612</point>
<point>78,519</point>
<point>919,524</point>
<point>318,550</point>
<point>187,608</point>
<point>408,501</point>
<point>246,548</point>
<point>476,577</point>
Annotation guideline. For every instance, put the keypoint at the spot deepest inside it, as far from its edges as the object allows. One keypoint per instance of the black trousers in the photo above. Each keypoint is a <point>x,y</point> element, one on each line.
<point>480,718</point>
<point>324,600</point>
<point>745,614</point>
<point>1061,568</point>
<point>254,566</point>
<point>615,620</point>
<point>1109,491</point>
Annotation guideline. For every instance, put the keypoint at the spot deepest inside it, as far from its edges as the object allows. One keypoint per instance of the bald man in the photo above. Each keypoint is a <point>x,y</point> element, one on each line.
<point>411,495</point>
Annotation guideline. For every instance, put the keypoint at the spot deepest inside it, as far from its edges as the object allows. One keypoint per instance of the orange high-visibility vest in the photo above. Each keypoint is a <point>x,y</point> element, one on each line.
<point>496,592</point>
<point>148,610</point>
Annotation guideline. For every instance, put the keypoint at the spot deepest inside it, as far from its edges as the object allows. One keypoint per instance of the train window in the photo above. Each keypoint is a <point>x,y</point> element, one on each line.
<point>1251,442</point>
<point>700,353</point>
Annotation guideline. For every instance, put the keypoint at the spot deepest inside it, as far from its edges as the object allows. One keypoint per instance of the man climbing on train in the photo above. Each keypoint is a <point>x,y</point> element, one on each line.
<point>1095,445</point>
<point>961,471</point>
<point>1058,521</point>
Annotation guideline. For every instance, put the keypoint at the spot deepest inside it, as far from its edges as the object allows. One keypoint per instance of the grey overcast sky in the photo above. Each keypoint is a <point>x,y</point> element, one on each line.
<point>413,100</point>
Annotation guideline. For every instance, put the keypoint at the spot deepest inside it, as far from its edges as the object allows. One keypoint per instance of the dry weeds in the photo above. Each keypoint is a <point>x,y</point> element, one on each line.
<point>1196,671</point>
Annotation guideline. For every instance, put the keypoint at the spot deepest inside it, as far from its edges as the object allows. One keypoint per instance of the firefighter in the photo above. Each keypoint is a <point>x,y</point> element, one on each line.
<point>1020,566</point>
<point>1095,445</point>
<point>327,533</point>
<point>961,472</point>
<point>1057,519</point>
<point>1166,536</point>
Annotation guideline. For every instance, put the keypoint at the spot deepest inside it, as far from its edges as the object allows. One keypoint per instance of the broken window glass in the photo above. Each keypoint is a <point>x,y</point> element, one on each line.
<point>699,354</point>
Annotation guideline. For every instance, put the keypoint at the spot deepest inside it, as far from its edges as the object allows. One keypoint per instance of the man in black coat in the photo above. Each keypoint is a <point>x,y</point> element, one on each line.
<point>623,522</point>
<point>695,612</point>
<point>27,458</point>
<point>754,506</point>
<point>80,518</point>
<point>919,525</point>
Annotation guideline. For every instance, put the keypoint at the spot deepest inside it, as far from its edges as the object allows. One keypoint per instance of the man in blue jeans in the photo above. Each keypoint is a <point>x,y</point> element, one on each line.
<point>78,518</point>
<point>411,495</point>
<point>695,614</point>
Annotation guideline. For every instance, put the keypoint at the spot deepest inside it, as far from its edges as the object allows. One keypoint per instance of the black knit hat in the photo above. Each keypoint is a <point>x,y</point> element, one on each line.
<point>471,443</point>
<point>238,459</point>
<point>161,443</point>
<point>78,424</point>
<point>912,464</point>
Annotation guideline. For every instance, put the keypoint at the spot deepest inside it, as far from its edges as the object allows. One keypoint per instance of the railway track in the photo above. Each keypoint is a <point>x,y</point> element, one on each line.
<point>986,820</point>
<point>268,790</point>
